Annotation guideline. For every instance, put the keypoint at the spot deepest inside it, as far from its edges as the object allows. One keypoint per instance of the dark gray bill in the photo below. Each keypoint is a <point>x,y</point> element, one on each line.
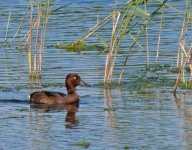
<point>84,84</point>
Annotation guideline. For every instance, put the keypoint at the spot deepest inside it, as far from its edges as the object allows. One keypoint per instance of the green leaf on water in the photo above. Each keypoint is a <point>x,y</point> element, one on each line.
<point>101,40</point>
<point>84,144</point>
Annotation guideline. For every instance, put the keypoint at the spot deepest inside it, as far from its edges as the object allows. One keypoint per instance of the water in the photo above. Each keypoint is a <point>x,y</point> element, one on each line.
<point>114,118</point>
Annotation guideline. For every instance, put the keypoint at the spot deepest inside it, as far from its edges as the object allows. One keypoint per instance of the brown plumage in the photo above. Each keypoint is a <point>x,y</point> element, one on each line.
<point>46,97</point>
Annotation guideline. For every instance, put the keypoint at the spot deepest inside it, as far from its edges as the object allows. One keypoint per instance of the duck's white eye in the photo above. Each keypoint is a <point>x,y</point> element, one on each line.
<point>74,78</point>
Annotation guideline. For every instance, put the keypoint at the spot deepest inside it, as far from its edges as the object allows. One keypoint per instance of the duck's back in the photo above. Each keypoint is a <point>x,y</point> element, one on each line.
<point>46,97</point>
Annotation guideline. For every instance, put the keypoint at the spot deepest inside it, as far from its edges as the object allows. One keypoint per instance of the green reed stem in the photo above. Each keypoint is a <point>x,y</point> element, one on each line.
<point>159,38</point>
<point>46,18</point>
<point>95,28</point>
<point>7,28</point>
<point>20,25</point>
<point>37,38</point>
<point>122,33</point>
<point>182,35</point>
<point>185,57</point>
<point>30,39</point>
<point>147,41</point>
<point>181,74</point>
<point>138,36</point>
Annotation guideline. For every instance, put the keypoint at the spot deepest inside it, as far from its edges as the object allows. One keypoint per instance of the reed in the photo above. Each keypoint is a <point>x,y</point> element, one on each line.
<point>35,38</point>
<point>121,35</point>
<point>95,28</point>
<point>42,42</point>
<point>7,28</point>
<point>184,57</point>
<point>159,39</point>
<point>124,20</point>
<point>139,33</point>
<point>112,45</point>
<point>122,30</point>
<point>30,39</point>
<point>147,42</point>
<point>183,35</point>
<point>181,75</point>
<point>33,41</point>
<point>20,26</point>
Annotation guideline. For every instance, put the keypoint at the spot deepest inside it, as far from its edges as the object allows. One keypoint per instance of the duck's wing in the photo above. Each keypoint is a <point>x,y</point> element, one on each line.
<point>55,94</point>
<point>46,97</point>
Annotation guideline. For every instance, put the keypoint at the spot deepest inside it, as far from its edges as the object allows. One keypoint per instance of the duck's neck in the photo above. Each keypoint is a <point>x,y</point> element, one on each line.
<point>70,89</point>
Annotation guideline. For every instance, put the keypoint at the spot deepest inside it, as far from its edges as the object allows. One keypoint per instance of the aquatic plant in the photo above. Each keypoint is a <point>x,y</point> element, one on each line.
<point>184,56</point>
<point>33,70</point>
<point>127,17</point>
<point>84,144</point>
<point>125,30</point>
<point>38,29</point>
<point>79,46</point>
<point>7,28</point>
<point>34,39</point>
<point>37,14</point>
<point>159,38</point>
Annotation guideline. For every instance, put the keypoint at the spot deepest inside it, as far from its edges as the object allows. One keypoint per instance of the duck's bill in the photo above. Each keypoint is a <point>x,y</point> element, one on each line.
<point>84,84</point>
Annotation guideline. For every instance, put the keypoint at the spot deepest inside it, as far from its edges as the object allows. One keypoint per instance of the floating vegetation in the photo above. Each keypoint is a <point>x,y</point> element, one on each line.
<point>147,82</point>
<point>178,69</point>
<point>84,144</point>
<point>126,147</point>
<point>151,82</point>
<point>144,92</point>
<point>79,46</point>
<point>185,85</point>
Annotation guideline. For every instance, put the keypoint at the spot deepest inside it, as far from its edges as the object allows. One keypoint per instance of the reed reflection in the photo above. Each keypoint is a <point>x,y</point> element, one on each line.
<point>108,101</point>
<point>184,104</point>
<point>109,109</point>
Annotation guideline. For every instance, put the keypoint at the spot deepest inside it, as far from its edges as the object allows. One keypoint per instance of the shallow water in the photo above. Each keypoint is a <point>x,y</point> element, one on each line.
<point>114,118</point>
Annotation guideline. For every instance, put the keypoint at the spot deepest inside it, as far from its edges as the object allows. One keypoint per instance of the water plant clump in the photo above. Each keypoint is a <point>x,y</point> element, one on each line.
<point>152,81</point>
<point>79,46</point>
<point>84,144</point>
<point>75,45</point>
<point>185,84</point>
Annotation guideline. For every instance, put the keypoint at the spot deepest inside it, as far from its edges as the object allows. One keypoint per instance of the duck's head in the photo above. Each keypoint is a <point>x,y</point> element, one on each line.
<point>73,80</point>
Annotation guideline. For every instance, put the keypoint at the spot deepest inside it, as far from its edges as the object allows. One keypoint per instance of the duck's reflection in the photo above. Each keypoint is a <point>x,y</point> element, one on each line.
<point>71,109</point>
<point>70,116</point>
